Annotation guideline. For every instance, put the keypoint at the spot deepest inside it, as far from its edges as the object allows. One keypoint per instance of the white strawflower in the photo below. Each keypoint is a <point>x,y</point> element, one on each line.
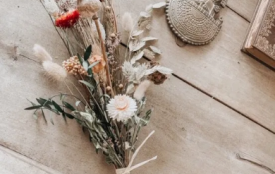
<point>121,107</point>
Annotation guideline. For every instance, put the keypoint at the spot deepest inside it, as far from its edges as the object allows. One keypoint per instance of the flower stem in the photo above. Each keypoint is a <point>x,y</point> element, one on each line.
<point>95,18</point>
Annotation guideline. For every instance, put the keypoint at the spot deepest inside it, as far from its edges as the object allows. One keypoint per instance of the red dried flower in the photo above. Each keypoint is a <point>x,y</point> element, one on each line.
<point>68,19</point>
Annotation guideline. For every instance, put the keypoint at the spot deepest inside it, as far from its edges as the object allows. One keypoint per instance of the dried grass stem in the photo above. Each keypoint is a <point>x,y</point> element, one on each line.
<point>95,18</point>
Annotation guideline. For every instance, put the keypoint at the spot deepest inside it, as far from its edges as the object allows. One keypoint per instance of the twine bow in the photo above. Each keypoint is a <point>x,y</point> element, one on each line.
<point>129,168</point>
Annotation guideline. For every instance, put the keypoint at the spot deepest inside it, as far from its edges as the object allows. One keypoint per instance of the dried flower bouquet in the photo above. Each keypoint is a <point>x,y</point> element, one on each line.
<point>112,108</point>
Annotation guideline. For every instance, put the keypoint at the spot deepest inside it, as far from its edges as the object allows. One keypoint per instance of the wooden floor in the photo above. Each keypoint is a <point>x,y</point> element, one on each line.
<point>216,115</point>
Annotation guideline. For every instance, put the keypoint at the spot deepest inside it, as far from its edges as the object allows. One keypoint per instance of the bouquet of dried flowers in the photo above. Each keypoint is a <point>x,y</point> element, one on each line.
<point>112,108</point>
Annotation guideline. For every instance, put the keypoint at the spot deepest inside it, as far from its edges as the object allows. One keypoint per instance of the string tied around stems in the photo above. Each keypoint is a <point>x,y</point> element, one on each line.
<point>129,168</point>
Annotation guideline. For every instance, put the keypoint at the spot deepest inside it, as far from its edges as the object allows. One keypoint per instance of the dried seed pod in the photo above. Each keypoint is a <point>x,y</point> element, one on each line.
<point>157,77</point>
<point>73,66</point>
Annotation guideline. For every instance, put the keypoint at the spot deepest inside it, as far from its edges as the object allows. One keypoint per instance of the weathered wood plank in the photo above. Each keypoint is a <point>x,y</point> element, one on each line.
<point>220,68</point>
<point>13,163</point>
<point>192,129</point>
<point>245,8</point>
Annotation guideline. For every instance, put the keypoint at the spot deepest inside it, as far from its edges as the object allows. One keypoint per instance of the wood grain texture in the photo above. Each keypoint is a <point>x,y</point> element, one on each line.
<point>220,68</point>
<point>244,8</point>
<point>14,163</point>
<point>194,133</point>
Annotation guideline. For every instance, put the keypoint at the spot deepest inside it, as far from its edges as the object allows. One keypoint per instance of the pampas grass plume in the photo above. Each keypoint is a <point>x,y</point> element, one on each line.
<point>54,71</point>
<point>141,89</point>
<point>41,53</point>
<point>127,22</point>
<point>102,30</point>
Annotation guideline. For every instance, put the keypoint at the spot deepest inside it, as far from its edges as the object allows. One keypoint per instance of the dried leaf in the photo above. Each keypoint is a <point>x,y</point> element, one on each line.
<point>57,107</point>
<point>33,107</point>
<point>85,65</point>
<point>68,106</point>
<point>87,84</point>
<point>139,45</point>
<point>137,57</point>
<point>137,33</point>
<point>93,64</point>
<point>145,14</point>
<point>159,5</point>
<point>132,44</point>
<point>88,52</point>
<point>149,39</point>
<point>155,50</point>
<point>149,8</point>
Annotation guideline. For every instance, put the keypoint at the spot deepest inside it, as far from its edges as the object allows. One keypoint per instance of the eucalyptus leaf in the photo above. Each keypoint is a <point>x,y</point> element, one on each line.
<point>69,116</point>
<point>33,104</point>
<point>53,110</point>
<point>87,84</point>
<point>43,102</point>
<point>62,97</point>
<point>159,5</point>
<point>143,122</point>
<point>137,119</point>
<point>85,65</point>
<point>93,64</point>
<point>57,107</point>
<point>87,53</point>
<point>80,59</point>
<point>64,117</point>
<point>44,117</point>
<point>33,107</point>
<point>68,106</point>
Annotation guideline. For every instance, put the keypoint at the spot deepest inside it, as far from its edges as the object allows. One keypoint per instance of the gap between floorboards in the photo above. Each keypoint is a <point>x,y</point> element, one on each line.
<point>213,97</point>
